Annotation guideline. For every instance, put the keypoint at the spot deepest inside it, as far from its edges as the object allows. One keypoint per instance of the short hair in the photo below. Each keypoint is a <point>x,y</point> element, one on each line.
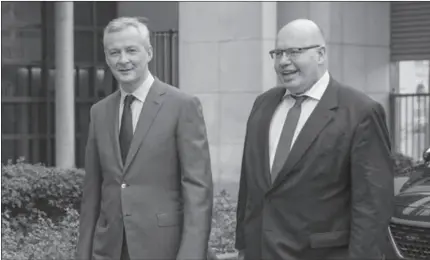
<point>121,23</point>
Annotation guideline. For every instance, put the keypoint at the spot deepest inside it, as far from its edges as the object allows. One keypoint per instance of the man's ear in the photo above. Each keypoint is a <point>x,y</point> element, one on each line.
<point>322,54</point>
<point>106,58</point>
<point>150,53</point>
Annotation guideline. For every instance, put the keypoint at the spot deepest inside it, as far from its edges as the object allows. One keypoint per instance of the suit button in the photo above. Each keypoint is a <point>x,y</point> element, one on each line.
<point>123,185</point>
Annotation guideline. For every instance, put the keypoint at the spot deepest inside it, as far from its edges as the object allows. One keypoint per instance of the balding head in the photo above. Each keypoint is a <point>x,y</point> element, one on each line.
<point>300,55</point>
<point>302,32</point>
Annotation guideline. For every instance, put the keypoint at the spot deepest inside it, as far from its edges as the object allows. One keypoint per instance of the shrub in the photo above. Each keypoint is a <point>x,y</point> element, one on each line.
<point>42,239</point>
<point>403,165</point>
<point>31,190</point>
<point>223,224</point>
<point>40,213</point>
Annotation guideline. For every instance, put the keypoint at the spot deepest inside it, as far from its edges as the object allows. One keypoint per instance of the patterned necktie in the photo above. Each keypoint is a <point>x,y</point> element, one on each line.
<point>126,131</point>
<point>287,134</point>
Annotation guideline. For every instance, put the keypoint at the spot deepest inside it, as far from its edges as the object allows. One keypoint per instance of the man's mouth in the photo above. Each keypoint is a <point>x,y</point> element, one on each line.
<point>289,72</point>
<point>125,70</point>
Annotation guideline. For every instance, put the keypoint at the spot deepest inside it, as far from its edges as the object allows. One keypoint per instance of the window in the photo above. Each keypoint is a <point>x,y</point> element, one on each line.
<point>22,87</point>
<point>414,76</point>
<point>411,105</point>
<point>28,76</point>
<point>410,54</point>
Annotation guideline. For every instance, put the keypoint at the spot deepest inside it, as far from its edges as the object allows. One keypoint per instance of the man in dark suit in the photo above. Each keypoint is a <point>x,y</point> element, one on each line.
<point>148,185</point>
<point>317,174</point>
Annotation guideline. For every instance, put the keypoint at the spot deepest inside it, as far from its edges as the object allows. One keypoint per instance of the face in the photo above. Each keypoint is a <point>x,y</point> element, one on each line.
<point>127,56</point>
<point>300,70</point>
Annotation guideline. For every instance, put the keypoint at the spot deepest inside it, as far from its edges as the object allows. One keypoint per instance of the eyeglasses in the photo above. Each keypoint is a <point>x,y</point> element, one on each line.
<point>291,53</point>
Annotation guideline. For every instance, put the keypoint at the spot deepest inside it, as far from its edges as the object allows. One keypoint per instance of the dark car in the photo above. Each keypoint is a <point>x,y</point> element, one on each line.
<point>409,229</point>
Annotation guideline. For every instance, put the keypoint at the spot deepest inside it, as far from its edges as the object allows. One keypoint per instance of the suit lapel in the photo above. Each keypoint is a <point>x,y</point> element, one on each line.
<point>320,117</point>
<point>149,111</point>
<point>114,126</point>
<point>264,118</point>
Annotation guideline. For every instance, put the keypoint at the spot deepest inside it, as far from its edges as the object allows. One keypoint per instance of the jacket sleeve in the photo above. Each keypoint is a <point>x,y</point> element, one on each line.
<point>243,188</point>
<point>90,205</point>
<point>196,181</point>
<point>372,184</point>
<point>241,206</point>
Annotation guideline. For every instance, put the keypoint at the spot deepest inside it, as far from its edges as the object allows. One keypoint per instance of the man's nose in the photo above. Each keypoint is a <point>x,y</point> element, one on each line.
<point>123,58</point>
<point>284,60</point>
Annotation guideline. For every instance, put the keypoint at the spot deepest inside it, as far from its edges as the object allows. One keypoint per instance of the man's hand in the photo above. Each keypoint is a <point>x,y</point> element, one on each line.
<point>196,180</point>
<point>372,185</point>
<point>241,255</point>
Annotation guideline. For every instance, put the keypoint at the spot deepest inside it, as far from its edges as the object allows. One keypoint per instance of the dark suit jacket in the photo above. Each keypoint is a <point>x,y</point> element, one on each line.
<point>333,197</point>
<point>162,195</point>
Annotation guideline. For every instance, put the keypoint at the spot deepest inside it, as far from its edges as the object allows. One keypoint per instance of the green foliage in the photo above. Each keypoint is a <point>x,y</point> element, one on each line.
<point>39,211</point>
<point>34,189</point>
<point>403,165</point>
<point>41,239</point>
<point>222,237</point>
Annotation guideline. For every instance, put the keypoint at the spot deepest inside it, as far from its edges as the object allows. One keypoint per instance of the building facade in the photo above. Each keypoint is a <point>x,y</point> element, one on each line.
<point>222,57</point>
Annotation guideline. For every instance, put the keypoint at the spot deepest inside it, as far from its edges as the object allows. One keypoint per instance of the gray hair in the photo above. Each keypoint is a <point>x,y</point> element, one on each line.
<point>121,23</point>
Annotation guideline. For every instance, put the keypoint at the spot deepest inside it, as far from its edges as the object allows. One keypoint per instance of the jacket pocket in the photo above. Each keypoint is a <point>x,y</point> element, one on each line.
<point>169,219</point>
<point>102,221</point>
<point>329,239</point>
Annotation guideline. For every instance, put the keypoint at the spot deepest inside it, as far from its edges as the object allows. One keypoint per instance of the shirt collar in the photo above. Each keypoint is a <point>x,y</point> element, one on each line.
<point>317,90</point>
<point>142,91</point>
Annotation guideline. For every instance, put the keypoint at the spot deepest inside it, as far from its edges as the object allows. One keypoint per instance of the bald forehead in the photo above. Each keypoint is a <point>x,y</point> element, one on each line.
<point>300,33</point>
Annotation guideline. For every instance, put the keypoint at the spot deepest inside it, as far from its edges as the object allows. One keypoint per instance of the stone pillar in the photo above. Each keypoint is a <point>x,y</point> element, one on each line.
<point>224,60</point>
<point>64,86</point>
<point>358,39</point>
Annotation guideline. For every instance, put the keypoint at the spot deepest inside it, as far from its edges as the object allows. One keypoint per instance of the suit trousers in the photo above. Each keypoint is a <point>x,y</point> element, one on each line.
<point>124,250</point>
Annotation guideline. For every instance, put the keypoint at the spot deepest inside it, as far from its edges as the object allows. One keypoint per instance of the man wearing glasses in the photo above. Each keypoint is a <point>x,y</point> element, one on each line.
<point>317,176</point>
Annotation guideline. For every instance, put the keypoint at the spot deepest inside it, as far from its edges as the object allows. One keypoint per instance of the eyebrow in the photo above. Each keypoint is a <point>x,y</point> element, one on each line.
<point>299,47</point>
<point>125,47</point>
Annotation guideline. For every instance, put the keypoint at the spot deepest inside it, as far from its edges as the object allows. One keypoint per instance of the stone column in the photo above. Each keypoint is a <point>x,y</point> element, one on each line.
<point>224,60</point>
<point>64,85</point>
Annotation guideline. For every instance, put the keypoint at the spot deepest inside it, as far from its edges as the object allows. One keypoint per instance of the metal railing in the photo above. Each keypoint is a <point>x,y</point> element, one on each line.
<point>166,53</point>
<point>410,126</point>
<point>28,101</point>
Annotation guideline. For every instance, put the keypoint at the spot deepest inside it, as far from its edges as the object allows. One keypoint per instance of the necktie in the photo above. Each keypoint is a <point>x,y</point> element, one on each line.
<point>126,131</point>
<point>287,135</point>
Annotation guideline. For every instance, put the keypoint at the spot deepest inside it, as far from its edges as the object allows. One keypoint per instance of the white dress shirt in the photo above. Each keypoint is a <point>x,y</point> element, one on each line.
<point>136,107</point>
<point>314,95</point>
